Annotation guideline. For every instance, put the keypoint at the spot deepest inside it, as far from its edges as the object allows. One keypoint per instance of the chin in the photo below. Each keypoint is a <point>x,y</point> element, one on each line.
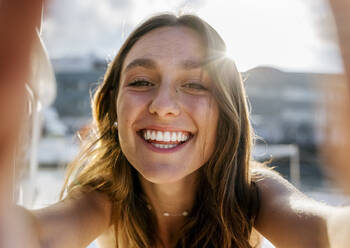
<point>162,175</point>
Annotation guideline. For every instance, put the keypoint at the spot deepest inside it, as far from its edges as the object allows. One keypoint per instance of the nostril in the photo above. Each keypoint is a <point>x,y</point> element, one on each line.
<point>164,106</point>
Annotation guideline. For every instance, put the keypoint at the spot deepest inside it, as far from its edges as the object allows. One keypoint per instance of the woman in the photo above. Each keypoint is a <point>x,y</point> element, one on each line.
<point>169,161</point>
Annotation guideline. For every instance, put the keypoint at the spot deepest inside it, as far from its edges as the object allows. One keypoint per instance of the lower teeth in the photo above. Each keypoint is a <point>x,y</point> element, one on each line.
<point>163,146</point>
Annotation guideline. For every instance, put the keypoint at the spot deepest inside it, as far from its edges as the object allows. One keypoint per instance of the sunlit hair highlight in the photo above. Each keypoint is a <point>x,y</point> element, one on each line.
<point>226,202</point>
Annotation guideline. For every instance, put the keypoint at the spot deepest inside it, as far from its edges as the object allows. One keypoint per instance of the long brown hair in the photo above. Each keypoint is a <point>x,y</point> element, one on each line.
<point>226,204</point>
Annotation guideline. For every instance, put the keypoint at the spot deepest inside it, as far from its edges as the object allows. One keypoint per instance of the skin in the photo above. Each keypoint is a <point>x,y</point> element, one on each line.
<point>286,216</point>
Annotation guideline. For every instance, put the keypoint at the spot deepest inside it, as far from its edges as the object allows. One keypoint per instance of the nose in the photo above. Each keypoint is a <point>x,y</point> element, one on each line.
<point>164,102</point>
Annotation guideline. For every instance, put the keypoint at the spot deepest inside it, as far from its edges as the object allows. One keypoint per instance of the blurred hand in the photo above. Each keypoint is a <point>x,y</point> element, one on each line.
<point>337,147</point>
<point>18,19</point>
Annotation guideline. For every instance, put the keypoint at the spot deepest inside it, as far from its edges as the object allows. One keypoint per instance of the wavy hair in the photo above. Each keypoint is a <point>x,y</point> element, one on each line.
<point>226,201</point>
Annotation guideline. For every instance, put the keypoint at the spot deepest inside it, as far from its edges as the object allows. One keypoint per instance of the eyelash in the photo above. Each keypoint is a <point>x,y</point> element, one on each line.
<point>140,83</point>
<point>197,86</point>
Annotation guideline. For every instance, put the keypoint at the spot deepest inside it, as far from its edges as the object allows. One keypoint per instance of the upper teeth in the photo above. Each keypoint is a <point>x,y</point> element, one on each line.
<point>165,136</point>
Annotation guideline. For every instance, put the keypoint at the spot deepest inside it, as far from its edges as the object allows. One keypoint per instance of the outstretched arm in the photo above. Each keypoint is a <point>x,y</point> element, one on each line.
<point>74,222</point>
<point>339,109</point>
<point>288,218</point>
<point>18,19</point>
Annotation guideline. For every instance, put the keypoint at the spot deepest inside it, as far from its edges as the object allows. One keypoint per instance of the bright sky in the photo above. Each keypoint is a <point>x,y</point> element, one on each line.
<point>286,34</point>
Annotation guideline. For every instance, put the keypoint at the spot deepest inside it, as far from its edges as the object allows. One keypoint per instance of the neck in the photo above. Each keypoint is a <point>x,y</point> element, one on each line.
<point>173,198</point>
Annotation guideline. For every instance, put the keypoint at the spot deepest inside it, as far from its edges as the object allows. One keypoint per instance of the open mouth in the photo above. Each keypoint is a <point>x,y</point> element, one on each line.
<point>165,139</point>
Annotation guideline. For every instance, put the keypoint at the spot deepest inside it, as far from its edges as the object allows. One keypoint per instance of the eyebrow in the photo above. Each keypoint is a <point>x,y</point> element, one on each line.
<point>141,62</point>
<point>189,64</point>
<point>186,64</point>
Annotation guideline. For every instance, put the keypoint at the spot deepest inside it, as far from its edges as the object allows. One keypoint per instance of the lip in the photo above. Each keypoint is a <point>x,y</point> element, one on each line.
<point>162,150</point>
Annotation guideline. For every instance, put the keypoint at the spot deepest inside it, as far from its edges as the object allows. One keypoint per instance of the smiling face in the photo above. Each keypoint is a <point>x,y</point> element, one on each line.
<point>167,115</point>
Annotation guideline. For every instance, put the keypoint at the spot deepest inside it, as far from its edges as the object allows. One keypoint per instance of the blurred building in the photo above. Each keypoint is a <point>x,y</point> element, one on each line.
<point>77,78</point>
<point>287,107</point>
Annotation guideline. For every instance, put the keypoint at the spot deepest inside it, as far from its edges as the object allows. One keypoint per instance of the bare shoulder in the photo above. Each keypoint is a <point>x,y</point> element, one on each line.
<point>90,199</point>
<point>287,217</point>
<point>75,221</point>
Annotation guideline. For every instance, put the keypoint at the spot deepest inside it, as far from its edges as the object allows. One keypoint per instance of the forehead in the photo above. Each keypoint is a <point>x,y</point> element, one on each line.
<point>169,45</point>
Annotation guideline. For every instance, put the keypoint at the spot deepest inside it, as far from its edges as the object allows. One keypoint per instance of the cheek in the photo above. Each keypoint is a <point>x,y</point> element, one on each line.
<point>204,111</point>
<point>200,106</point>
<point>130,107</point>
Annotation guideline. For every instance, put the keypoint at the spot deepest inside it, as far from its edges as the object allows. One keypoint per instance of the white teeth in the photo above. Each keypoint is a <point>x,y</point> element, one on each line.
<point>179,136</point>
<point>154,135</point>
<point>165,136</point>
<point>163,146</point>
<point>148,134</point>
<point>173,136</point>
<point>159,136</point>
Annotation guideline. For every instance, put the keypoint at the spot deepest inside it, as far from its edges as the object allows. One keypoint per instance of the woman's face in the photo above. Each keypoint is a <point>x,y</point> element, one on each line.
<point>167,115</point>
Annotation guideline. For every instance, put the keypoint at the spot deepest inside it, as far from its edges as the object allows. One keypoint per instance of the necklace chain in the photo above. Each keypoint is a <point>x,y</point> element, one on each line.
<point>167,214</point>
